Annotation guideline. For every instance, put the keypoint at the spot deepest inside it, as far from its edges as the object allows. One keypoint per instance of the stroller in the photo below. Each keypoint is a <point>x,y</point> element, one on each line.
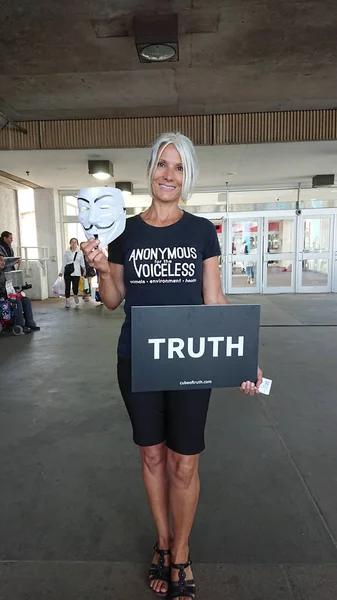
<point>7,310</point>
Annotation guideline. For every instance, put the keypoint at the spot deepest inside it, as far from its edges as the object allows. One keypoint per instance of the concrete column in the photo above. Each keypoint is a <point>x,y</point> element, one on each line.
<point>9,219</point>
<point>48,228</point>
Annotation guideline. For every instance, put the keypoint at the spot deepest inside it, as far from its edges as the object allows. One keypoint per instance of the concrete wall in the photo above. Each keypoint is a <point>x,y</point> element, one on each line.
<point>9,217</point>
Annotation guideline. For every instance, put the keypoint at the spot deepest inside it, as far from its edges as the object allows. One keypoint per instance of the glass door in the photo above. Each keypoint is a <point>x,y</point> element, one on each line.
<point>244,256</point>
<point>315,260</point>
<point>219,228</point>
<point>334,268</point>
<point>279,255</point>
<point>224,257</point>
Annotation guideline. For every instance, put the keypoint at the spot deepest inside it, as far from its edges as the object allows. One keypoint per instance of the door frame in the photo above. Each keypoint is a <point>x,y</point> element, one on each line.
<point>244,258</point>
<point>330,255</point>
<point>334,257</point>
<point>291,256</point>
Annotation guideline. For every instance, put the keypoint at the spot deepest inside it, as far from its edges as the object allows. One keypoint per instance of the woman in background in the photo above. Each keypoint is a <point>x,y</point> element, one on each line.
<point>72,256</point>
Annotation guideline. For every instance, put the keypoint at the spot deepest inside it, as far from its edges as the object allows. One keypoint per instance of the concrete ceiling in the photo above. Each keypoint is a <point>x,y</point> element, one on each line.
<point>63,59</point>
<point>273,165</point>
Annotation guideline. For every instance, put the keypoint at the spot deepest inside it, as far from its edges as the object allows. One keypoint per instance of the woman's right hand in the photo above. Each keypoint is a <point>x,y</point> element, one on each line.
<point>95,256</point>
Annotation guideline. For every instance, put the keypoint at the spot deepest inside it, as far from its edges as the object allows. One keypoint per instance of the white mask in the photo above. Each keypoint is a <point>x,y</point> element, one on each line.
<point>101,213</point>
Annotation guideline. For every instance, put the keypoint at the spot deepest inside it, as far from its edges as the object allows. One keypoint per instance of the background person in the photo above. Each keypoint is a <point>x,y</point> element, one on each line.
<point>6,250</point>
<point>90,273</point>
<point>168,426</point>
<point>250,265</point>
<point>72,256</point>
<point>22,308</point>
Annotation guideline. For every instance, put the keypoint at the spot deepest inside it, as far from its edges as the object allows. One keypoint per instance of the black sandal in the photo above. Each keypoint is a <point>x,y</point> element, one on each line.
<point>159,572</point>
<point>182,588</point>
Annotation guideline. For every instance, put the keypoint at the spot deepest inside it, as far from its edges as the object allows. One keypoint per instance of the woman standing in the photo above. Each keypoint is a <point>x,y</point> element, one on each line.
<point>73,260</point>
<point>168,426</point>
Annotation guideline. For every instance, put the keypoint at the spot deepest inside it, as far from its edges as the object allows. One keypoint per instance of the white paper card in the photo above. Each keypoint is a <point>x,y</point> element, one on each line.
<point>265,386</point>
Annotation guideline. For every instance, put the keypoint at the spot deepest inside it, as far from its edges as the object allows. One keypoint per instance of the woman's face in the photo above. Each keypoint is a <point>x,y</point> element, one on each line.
<point>168,176</point>
<point>73,244</point>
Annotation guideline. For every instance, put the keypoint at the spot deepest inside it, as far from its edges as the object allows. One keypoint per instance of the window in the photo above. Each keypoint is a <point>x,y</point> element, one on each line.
<point>70,206</point>
<point>28,232</point>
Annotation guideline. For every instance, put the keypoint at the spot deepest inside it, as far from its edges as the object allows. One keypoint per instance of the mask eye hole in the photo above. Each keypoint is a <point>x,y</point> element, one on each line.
<point>83,208</point>
<point>104,206</point>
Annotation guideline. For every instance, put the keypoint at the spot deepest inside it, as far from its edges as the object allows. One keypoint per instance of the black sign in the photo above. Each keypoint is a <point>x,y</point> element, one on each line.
<point>186,347</point>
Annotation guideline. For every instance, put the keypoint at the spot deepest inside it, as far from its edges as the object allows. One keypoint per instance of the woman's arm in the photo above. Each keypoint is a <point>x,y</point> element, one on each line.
<point>211,282</point>
<point>111,275</point>
<point>111,285</point>
<point>212,294</point>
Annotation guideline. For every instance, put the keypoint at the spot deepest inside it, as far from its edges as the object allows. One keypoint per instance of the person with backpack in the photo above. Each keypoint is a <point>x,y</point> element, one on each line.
<point>73,260</point>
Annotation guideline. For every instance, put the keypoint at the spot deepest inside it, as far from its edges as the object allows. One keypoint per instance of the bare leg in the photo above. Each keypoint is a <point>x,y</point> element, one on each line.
<point>184,495</point>
<point>86,297</point>
<point>156,481</point>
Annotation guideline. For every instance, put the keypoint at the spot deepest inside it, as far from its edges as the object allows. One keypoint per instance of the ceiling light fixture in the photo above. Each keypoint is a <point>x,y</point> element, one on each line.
<point>323,180</point>
<point>101,169</point>
<point>157,52</point>
<point>156,38</point>
<point>126,187</point>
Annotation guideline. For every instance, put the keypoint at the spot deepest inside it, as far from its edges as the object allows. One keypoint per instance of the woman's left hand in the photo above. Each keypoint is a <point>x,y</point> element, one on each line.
<point>249,387</point>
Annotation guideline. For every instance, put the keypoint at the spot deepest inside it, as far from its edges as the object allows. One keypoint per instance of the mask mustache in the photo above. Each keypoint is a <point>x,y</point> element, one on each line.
<point>99,226</point>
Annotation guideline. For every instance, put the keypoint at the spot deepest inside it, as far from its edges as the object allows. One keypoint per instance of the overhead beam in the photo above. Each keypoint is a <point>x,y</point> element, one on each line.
<point>4,120</point>
<point>204,130</point>
<point>15,182</point>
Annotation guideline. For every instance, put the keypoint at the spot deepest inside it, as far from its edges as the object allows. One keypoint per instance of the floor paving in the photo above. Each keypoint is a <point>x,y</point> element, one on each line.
<point>74,521</point>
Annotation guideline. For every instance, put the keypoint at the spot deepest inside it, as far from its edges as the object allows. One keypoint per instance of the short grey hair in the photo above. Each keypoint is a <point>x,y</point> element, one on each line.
<point>188,158</point>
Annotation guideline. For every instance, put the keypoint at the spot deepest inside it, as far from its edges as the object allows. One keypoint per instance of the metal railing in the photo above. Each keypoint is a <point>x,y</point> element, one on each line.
<point>42,255</point>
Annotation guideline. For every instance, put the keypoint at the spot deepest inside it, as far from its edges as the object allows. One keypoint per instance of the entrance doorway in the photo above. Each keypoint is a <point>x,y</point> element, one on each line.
<point>279,253</point>
<point>244,251</point>
<point>315,253</point>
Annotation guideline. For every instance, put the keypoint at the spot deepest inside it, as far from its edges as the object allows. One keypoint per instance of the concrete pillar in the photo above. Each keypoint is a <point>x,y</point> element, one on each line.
<point>9,218</point>
<point>48,228</point>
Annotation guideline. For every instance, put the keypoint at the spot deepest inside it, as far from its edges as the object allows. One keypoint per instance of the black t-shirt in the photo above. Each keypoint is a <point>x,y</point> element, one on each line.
<point>162,265</point>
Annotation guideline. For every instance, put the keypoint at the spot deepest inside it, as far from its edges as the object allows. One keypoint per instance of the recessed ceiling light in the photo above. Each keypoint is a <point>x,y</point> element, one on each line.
<point>101,176</point>
<point>156,37</point>
<point>101,169</point>
<point>125,187</point>
<point>157,52</point>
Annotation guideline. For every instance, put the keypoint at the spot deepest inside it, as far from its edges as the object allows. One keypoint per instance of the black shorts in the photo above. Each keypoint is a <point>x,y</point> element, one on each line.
<point>177,417</point>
